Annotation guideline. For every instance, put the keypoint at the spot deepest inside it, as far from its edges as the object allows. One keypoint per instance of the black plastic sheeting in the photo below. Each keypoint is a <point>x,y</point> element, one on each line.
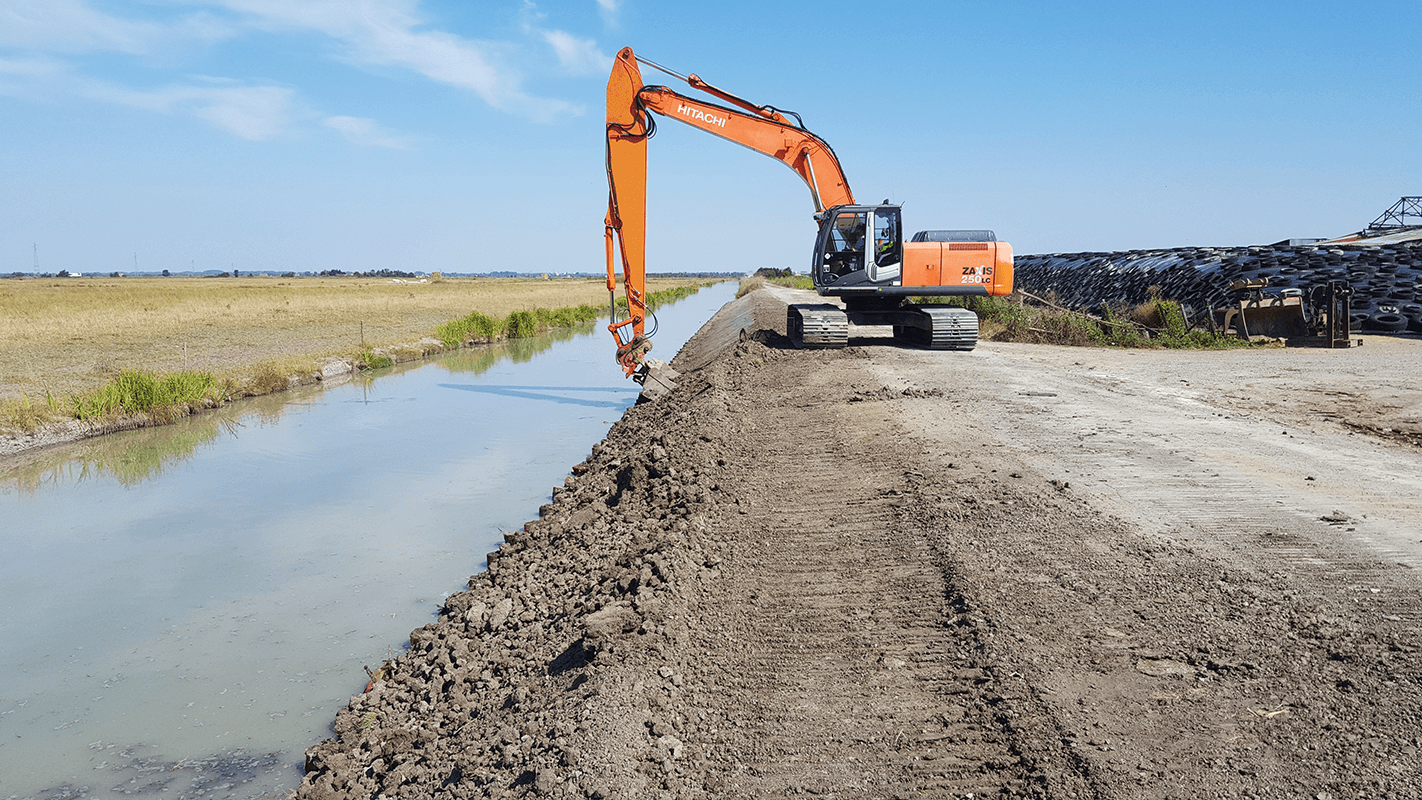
<point>1386,280</point>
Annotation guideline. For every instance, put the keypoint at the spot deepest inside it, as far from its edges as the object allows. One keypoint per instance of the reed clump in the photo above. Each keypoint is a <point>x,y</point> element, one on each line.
<point>28,416</point>
<point>794,282</point>
<point>136,391</point>
<point>264,381</point>
<point>749,285</point>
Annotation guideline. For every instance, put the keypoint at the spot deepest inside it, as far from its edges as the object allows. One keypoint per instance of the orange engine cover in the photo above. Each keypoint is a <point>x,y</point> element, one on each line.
<point>977,267</point>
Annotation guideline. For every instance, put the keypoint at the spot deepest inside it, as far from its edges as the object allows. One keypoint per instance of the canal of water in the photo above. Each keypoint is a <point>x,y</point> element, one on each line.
<point>185,608</point>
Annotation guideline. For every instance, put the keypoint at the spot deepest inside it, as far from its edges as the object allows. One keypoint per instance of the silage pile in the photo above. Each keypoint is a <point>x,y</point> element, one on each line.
<point>1386,280</point>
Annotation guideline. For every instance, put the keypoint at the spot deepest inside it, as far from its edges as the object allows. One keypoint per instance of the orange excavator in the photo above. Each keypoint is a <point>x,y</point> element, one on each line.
<point>860,253</point>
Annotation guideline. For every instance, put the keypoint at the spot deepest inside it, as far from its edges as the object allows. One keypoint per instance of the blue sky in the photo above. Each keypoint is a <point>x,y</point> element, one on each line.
<point>467,136</point>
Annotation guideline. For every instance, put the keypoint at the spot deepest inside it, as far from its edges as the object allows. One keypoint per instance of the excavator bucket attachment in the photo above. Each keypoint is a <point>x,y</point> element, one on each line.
<point>657,378</point>
<point>1283,319</point>
<point>1258,314</point>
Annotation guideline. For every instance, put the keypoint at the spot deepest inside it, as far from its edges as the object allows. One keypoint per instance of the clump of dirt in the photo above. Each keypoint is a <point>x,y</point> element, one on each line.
<point>885,393</point>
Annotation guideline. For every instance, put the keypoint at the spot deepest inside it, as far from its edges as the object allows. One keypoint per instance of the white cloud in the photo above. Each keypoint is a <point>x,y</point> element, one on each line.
<point>251,112</point>
<point>368,33</point>
<point>73,26</point>
<point>608,9</point>
<point>68,26</point>
<point>20,76</point>
<point>384,33</point>
<point>30,67</point>
<point>365,132</point>
<point>577,56</point>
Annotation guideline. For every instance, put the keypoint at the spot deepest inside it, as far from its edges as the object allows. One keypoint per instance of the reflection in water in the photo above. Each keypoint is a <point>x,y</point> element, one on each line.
<point>135,457</point>
<point>130,462</point>
<point>480,359</point>
<point>142,455</point>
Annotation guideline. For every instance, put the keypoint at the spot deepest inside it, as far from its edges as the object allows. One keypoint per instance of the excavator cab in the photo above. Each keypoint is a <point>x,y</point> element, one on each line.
<point>859,245</point>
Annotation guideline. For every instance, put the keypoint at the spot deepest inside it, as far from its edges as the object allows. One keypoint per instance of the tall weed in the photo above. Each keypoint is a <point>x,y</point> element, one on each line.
<point>135,391</point>
<point>521,325</point>
<point>749,285</point>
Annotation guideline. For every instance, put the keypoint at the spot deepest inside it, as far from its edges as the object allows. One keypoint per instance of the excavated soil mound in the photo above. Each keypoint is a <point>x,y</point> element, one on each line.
<point>765,585</point>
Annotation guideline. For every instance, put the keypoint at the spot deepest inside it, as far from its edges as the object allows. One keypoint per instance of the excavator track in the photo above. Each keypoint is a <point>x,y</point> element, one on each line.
<point>817,325</point>
<point>948,328</point>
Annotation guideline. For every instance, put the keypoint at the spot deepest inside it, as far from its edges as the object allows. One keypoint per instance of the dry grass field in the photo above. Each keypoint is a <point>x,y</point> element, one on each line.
<point>65,336</point>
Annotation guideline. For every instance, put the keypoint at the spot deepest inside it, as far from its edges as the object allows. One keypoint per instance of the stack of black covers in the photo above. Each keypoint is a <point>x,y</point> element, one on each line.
<point>1386,280</point>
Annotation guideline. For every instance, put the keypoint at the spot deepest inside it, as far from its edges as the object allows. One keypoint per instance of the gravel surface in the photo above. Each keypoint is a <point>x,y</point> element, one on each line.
<point>880,572</point>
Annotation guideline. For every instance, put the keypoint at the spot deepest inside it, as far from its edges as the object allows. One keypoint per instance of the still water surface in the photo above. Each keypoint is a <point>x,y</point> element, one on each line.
<point>185,608</point>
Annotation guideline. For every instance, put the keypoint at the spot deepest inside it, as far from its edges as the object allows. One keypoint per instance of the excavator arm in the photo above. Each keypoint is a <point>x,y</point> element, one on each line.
<point>630,104</point>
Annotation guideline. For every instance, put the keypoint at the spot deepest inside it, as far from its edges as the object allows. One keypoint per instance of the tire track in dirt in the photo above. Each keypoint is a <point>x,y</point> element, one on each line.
<point>1208,632</point>
<point>853,660</point>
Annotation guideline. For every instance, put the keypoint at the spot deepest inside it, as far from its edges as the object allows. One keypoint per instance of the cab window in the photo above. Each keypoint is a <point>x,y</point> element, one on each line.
<point>844,252</point>
<point>886,236</point>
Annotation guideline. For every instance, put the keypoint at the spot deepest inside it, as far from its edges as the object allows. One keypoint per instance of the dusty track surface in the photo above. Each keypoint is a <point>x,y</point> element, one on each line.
<point>879,572</point>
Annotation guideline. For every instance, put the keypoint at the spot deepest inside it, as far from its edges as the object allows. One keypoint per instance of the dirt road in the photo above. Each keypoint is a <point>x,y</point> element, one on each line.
<point>878,572</point>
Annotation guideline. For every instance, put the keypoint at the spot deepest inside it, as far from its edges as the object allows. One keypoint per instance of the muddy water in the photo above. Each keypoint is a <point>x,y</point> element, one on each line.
<point>185,608</point>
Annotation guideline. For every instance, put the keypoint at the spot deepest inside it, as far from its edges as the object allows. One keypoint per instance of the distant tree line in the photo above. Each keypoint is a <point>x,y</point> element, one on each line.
<point>375,273</point>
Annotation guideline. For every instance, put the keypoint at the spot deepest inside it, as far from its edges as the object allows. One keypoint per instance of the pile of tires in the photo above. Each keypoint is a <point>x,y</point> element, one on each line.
<point>1386,280</point>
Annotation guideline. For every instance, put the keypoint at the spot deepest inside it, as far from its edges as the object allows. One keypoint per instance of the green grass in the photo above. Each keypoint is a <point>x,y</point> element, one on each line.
<point>479,328</point>
<point>753,282</point>
<point>373,361</point>
<point>795,282</point>
<point>656,300</point>
<point>521,325</point>
<point>475,327</point>
<point>135,391</point>
<point>1158,323</point>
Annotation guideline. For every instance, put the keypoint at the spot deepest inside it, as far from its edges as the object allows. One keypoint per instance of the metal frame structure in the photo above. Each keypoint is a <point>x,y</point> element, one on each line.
<point>1396,217</point>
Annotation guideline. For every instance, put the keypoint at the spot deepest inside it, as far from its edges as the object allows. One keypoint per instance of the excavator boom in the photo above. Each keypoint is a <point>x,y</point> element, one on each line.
<point>630,103</point>
<point>805,153</point>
